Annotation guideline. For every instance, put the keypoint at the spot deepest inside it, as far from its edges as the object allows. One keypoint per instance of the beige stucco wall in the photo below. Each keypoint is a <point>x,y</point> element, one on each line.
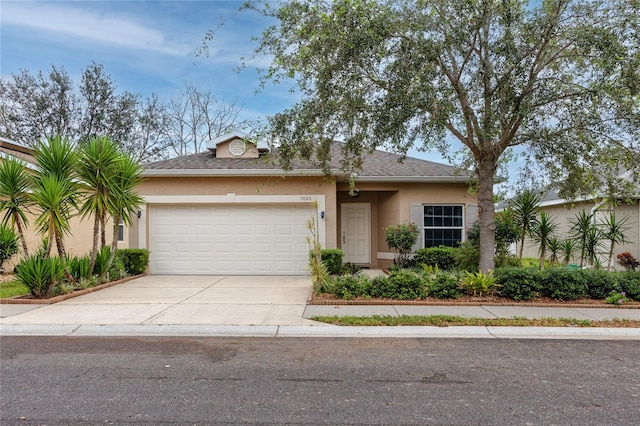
<point>245,186</point>
<point>564,214</point>
<point>390,202</point>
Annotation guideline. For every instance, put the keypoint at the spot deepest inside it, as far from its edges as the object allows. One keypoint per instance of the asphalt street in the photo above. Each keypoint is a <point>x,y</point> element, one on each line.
<point>372,381</point>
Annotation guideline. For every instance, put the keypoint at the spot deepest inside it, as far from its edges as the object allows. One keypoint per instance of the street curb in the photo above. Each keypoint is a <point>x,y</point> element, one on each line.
<point>154,330</point>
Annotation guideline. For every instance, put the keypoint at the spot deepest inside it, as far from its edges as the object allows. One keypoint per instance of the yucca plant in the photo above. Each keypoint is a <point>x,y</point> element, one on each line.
<point>79,267</point>
<point>541,232</point>
<point>40,275</point>
<point>554,245</point>
<point>525,207</point>
<point>102,263</point>
<point>14,196</point>
<point>580,226</point>
<point>479,283</point>
<point>568,248</point>
<point>9,244</point>
<point>97,168</point>
<point>615,231</point>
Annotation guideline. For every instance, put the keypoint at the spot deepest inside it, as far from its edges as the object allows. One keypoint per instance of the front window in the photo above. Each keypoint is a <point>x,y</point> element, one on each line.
<point>443,225</point>
<point>121,231</point>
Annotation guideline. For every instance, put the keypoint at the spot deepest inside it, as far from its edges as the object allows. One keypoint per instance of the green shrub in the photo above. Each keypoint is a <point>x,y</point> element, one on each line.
<point>40,275</point>
<point>519,283</point>
<point>444,286</point>
<point>348,286</point>
<point>79,267</point>
<point>479,283</point>
<point>62,287</point>
<point>563,283</point>
<point>616,298</point>
<point>333,259</point>
<point>402,285</point>
<point>135,261</point>
<point>630,284</point>
<point>9,244</point>
<point>600,284</point>
<point>350,268</point>
<point>400,239</point>
<point>116,269</point>
<point>468,257</point>
<point>443,257</point>
<point>506,260</point>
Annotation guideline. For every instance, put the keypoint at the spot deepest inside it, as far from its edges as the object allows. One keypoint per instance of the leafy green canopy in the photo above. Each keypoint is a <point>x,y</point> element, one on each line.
<point>558,76</point>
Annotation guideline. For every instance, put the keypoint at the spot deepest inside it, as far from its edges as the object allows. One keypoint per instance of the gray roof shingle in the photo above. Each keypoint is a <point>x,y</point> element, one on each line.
<point>378,165</point>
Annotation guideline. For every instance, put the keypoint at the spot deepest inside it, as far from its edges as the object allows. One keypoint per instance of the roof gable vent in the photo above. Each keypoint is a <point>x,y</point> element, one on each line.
<point>237,147</point>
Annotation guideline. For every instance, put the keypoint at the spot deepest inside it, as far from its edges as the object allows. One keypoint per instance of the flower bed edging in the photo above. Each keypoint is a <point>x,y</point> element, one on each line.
<point>20,300</point>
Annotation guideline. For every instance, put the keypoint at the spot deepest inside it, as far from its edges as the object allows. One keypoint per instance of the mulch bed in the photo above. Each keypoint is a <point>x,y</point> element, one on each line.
<point>330,299</point>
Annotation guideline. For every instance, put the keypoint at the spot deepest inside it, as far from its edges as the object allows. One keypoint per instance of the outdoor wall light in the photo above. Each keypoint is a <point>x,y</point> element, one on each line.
<point>139,214</point>
<point>322,214</point>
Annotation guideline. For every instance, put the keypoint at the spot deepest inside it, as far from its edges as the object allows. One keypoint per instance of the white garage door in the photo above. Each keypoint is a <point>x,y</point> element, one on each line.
<point>229,240</point>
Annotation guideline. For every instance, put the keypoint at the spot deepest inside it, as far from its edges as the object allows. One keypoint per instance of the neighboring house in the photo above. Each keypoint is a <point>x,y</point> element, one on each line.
<point>80,241</point>
<point>229,211</point>
<point>563,211</point>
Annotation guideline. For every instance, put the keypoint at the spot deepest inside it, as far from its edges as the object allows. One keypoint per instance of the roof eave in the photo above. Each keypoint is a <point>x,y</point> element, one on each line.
<point>422,179</point>
<point>230,172</point>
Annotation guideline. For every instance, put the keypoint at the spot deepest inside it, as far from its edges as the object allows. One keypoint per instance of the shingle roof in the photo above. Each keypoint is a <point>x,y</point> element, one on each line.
<point>378,166</point>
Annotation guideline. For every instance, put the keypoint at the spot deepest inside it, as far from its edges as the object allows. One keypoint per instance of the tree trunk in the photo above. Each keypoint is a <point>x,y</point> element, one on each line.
<point>486,213</point>
<point>116,227</point>
<point>94,249</point>
<point>103,231</point>
<point>25,250</point>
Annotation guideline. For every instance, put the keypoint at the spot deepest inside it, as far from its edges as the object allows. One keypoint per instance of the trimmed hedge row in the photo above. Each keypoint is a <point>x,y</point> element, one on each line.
<point>566,284</point>
<point>515,284</point>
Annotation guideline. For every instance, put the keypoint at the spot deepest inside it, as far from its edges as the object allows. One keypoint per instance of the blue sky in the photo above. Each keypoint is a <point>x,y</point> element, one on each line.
<point>145,46</point>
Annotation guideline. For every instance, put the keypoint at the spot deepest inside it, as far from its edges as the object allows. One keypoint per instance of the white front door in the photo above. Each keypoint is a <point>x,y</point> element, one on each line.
<point>356,232</point>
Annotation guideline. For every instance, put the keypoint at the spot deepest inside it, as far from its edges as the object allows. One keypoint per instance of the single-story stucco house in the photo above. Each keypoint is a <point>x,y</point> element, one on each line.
<point>228,211</point>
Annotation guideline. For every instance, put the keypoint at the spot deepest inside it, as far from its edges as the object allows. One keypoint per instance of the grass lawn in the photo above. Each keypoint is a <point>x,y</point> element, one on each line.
<point>12,288</point>
<point>448,320</point>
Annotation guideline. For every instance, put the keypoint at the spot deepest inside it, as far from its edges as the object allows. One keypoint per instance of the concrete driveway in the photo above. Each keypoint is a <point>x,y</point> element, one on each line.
<point>179,300</point>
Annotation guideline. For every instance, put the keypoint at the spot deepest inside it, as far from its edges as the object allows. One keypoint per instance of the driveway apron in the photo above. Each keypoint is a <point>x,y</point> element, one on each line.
<point>183,300</point>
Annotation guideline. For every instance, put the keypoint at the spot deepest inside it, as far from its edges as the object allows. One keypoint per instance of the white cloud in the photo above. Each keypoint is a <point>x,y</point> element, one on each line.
<point>89,25</point>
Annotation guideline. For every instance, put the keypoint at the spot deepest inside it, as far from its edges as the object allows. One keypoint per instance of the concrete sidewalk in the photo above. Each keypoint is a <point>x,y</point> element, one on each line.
<point>268,307</point>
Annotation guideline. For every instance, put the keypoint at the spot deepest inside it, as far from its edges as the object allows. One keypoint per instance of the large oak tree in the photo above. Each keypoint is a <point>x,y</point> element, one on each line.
<point>558,77</point>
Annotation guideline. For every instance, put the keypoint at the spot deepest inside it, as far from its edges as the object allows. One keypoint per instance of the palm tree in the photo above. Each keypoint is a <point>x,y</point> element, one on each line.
<point>55,192</point>
<point>124,200</point>
<point>541,232</point>
<point>14,194</point>
<point>580,227</point>
<point>525,207</point>
<point>614,230</point>
<point>97,170</point>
